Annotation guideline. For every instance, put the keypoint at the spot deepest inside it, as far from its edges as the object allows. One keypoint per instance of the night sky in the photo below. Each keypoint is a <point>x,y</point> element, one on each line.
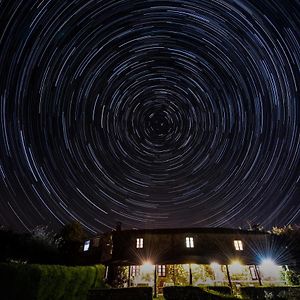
<point>153,113</point>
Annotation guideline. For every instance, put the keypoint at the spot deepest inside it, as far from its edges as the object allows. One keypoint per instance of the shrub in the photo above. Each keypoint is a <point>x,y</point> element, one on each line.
<point>221,289</point>
<point>134,293</point>
<point>45,282</point>
<point>274,293</point>
<point>192,293</point>
<point>292,277</point>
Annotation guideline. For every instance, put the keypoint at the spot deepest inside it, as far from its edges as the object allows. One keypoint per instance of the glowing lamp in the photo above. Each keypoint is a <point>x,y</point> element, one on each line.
<point>214,265</point>
<point>268,264</point>
<point>147,266</point>
<point>236,267</point>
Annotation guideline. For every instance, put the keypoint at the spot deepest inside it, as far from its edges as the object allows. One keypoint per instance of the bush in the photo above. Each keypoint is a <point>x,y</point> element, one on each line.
<point>192,293</point>
<point>134,293</point>
<point>221,289</point>
<point>292,277</point>
<point>274,293</point>
<point>45,282</point>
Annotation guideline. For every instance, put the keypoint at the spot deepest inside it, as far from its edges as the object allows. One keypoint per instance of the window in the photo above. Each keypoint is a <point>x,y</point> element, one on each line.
<point>161,270</point>
<point>253,273</point>
<point>238,245</point>
<point>189,242</point>
<point>139,242</point>
<point>86,246</point>
<point>135,270</point>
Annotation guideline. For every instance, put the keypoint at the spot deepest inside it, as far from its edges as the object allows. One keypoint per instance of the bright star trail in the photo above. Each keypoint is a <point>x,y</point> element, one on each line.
<point>153,113</point>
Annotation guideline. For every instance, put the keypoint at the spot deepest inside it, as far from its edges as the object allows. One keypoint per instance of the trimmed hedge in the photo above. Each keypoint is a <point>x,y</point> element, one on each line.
<point>133,293</point>
<point>48,282</point>
<point>192,293</point>
<point>274,293</point>
<point>220,289</point>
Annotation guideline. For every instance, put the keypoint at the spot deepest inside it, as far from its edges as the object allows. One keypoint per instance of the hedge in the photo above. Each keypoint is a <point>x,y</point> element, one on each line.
<point>48,282</point>
<point>133,293</point>
<point>274,293</point>
<point>192,293</point>
<point>221,289</point>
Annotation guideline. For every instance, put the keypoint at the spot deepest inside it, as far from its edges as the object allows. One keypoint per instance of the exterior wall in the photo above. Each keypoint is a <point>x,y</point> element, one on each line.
<point>214,274</point>
<point>211,256</point>
<point>171,248</point>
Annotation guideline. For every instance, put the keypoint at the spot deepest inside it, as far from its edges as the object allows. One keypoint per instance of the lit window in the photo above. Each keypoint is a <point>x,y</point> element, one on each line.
<point>161,270</point>
<point>135,270</point>
<point>139,242</point>
<point>238,245</point>
<point>189,242</point>
<point>86,246</point>
<point>253,273</point>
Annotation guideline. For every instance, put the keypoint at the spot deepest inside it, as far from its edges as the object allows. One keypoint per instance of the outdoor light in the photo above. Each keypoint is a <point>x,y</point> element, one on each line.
<point>236,266</point>
<point>268,263</point>
<point>269,268</point>
<point>215,265</point>
<point>147,266</point>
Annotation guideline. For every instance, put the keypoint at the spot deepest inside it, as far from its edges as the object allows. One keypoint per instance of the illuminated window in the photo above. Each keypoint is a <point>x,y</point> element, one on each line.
<point>161,270</point>
<point>189,242</point>
<point>135,270</point>
<point>139,242</point>
<point>253,273</point>
<point>86,246</point>
<point>238,245</point>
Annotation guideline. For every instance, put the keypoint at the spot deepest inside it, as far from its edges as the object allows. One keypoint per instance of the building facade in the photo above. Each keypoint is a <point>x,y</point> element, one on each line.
<point>192,256</point>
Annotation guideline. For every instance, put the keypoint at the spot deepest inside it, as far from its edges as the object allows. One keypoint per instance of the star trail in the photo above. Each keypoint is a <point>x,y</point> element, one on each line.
<point>152,113</point>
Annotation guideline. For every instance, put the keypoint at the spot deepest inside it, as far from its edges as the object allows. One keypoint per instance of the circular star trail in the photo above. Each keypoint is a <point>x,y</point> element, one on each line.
<point>152,113</point>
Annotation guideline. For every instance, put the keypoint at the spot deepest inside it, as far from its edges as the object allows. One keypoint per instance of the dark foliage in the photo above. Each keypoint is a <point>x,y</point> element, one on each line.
<point>72,237</point>
<point>45,282</point>
<point>135,293</point>
<point>25,248</point>
<point>292,277</point>
<point>42,246</point>
<point>291,236</point>
<point>192,293</point>
<point>274,293</point>
<point>221,289</point>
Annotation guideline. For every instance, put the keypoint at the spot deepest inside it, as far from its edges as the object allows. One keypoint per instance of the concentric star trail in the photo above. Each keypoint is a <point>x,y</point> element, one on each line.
<point>152,113</point>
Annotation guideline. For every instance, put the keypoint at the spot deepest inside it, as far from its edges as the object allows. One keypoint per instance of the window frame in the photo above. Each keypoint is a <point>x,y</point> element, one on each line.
<point>189,242</point>
<point>86,246</point>
<point>253,273</point>
<point>139,243</point>
<point>238,245</point>
<point>135,270</point>
<point>161,270</point>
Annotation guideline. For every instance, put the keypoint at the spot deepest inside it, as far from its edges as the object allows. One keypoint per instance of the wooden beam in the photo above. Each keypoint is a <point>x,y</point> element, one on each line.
<point>129,275</point>
<point>258,275</point>
<point>228,275</point>
<point>155,279</point>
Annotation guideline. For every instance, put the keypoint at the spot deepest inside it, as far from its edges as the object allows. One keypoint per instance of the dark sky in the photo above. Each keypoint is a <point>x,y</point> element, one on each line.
<point>153,113</point>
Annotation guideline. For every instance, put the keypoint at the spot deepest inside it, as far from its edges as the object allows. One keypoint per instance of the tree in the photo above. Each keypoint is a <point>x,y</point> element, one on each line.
<point>72,237</point>
<point>43,234</point>
<point>28,247</point>
<point>291,236</point>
